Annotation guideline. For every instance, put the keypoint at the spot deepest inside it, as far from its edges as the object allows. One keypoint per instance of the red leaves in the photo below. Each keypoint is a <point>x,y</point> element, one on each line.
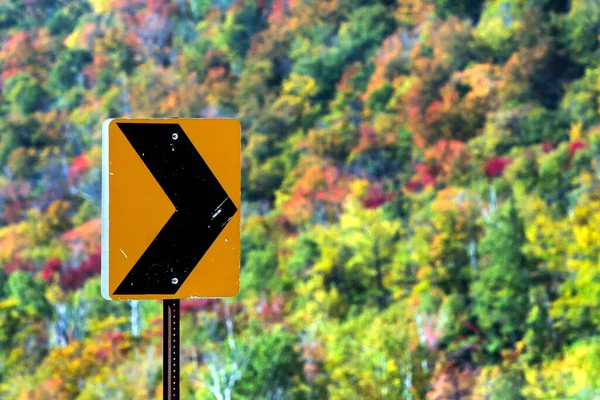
<point>575,146</point>
<point>112,343</point>
<point>197,305</point>
<point>278,11</point>
<point>18,264</point>
<point>425,175</point>
<point>52,267</point>
<point>414,185</point>
<point>376,197</point>
<point>73,278</point>
<point>495,167</point>
<point>78,168</point>
<point>273,310</point>
<point>116,337</point>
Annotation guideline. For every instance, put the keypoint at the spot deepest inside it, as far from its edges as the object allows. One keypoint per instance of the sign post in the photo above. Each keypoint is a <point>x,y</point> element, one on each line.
<point>170,217</point>
<point>171,349</point>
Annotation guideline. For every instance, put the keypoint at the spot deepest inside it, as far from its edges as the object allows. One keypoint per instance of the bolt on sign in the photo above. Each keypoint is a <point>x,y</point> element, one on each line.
<point>170,208</point>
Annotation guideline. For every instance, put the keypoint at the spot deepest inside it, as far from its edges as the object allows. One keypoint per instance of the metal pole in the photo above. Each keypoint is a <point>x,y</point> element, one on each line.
<point>171,349</point>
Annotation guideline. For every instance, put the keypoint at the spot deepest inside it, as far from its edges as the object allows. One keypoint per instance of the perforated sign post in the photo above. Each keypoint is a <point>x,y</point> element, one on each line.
<point>170,217</point>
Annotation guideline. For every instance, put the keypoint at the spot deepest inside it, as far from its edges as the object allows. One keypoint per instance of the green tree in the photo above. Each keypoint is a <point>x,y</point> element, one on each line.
<point>25,92</point>
<point>500,290</point>
<point>67,69</point>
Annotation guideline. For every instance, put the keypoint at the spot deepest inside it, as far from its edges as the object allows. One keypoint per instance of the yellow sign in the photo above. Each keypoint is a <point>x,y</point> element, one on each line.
<point>170,208</point>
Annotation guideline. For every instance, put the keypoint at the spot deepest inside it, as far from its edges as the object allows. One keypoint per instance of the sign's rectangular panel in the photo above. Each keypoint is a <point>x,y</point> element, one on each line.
<point>170,208</point>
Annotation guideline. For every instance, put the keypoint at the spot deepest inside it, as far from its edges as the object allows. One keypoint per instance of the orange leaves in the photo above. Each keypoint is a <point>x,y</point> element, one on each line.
<point>441,161</point>
<point>430,102</point>
<point>520,69</point>
<point>218,85</point>
<point>65,369</point>
<point>320,189</point>
<point>414,12</point>
<point>375,139</point>
<point>448,156</point>
<point>349,74</point>
<point>187,98</point>
<point>84,238</point>
<point>10,57</point>
<point>394,50</point>
<point>26,52</point>
<point>453,382</point>
<point>482,80</point>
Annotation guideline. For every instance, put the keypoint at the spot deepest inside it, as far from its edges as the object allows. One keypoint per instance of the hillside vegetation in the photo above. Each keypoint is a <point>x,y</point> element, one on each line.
<point>420,186</point>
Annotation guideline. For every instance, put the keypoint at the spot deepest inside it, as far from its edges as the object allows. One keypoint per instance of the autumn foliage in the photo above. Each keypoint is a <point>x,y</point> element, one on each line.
<point>420,197</point>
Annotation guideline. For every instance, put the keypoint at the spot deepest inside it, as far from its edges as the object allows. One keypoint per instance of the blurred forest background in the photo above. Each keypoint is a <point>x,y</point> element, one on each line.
<point>421,197</point>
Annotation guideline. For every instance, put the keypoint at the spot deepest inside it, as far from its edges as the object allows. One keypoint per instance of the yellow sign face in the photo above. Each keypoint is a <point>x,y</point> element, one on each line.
<point>171,205</point>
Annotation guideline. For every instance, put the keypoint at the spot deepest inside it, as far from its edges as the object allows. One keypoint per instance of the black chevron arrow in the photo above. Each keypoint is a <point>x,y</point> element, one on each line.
<point>202,209</point>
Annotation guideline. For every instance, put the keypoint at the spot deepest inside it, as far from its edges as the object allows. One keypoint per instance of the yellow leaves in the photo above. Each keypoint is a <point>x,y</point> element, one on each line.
<point>586,220</point>
<point>12,239</point>
<point>580,245</point>
<point>568,376</point>
<point>575,133</point>
<point>10,302</point>
<point>446,200</point>
<point>71,40</point>
<point>390,366</point>
<point>54,294</point>
<point>107,323</point>
<point>57,214</point>
<point>365,355</point>
<point>481,78</point>
<point>82,36</point>
<point>101,6</point>
<point>302,86</point>
<point>586,237</point>
<point>358,188</point>
<point>543,237</point>
<point>320,295</point>
<point>296,93</point>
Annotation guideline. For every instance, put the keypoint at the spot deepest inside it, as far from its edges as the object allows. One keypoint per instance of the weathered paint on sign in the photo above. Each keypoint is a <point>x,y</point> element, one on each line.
<point>171,208</point>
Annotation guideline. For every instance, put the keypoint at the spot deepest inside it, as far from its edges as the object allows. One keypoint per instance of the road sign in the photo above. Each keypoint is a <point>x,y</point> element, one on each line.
<point>170,208</point>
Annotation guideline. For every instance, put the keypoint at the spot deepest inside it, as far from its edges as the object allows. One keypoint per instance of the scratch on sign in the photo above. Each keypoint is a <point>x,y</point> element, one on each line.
<point>218,211</point>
